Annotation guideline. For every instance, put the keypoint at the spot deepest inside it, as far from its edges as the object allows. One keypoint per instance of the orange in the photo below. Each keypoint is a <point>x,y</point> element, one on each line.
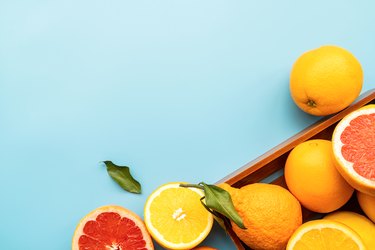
<point>354,148</point>
<point>175,217</point>
<point>325,234</point>
<point>325,80</point>
<point>311,176</point>
<point>367,203</point>
<point>111,227</point>
<point>359,223</point>
<point>270,214</point>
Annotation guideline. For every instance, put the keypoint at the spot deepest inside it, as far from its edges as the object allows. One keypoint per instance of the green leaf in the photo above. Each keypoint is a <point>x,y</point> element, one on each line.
<point>121,175</point>
<point>220,219</point>
<point>220,200</point>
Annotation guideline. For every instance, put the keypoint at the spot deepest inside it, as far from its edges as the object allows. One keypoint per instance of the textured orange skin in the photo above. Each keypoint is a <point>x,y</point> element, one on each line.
<point>270,214</point>
<point>367,203</point>
<point>312,177</point>
<point>329,76</point>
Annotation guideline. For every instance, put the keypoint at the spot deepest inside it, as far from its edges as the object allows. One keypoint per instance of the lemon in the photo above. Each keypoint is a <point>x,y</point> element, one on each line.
<point>359,223</point>
<point>175,217</point>
<point>325,234</point>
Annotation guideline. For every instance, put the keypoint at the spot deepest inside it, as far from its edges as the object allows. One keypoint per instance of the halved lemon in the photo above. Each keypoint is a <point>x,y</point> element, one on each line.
<point>175,217</point>
<point>325,234</point>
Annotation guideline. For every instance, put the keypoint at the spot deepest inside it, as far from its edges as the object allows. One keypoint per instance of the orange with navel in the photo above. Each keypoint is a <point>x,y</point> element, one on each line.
<point>325,80</point>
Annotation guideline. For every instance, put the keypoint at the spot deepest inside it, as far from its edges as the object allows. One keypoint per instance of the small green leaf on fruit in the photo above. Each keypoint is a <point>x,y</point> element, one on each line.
<point>121,175</point>
<point>220,200</point>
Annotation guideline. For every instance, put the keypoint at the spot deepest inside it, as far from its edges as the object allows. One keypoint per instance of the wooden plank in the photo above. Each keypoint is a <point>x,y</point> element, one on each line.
<point>274,160</point>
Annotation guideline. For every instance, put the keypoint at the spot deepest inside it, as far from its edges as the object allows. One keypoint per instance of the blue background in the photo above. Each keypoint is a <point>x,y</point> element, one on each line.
<point>177,90</point>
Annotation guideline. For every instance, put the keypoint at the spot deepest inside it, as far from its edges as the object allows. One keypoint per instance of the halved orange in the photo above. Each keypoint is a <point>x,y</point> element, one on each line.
<point>175,217</point>
<point>111,228</point>
<point>353,144</point>
<point>325,234</point>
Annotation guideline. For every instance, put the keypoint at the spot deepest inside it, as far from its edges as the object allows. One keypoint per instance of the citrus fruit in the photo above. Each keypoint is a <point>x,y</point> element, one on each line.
<point>111,227</point>
<point>353,143</point>
<point>175,217</point>
<point>325,80</point>
<point>311,176</point>
<point>325,234</point>
<point>359,223</point>
<point>270,214</point>
<point>367,203</point>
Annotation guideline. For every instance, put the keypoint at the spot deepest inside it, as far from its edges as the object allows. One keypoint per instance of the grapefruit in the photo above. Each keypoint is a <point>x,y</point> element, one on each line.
<point>325,234</point>
<point>353,143</point>
<point>325,80</point>
<point>176,218</point>
<point>270,214</point>
<point>111,227</point>
<point>311,176</point>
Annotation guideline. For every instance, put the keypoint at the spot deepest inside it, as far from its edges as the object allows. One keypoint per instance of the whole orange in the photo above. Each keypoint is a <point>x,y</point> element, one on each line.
<point>270,214</point>
<point>367,203</point>
<point>325,80</point>
<point>312,177</point>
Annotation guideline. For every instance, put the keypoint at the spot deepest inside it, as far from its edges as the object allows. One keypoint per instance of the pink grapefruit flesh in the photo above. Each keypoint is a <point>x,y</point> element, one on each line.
<point>353,143</point>
<point>111,228</point>
<point>359,145</point>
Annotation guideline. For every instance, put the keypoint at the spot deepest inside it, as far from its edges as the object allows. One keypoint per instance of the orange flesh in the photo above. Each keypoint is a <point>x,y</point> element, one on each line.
<point>111,231</point>
<point>359,145</point>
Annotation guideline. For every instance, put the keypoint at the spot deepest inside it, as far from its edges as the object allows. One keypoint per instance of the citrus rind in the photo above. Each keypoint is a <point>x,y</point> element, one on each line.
<point>155,232</point>
<point>321,225</point>
<point>123,212</point>
<point>345,167</point>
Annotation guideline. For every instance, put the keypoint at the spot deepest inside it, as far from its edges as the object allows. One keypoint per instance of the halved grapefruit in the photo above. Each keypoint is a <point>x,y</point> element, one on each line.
<point>111,228</point>
<point>353,144</point>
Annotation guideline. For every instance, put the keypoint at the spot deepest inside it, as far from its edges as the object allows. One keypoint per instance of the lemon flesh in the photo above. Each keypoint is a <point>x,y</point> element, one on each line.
<point>175,217</point>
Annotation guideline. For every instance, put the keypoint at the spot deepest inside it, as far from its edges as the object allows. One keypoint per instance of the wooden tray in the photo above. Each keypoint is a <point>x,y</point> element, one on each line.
<point>269,166</point>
